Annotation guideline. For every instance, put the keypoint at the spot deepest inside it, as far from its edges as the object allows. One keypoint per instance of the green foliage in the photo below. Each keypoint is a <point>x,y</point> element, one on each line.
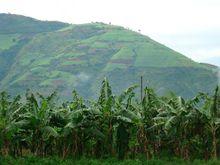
<point>121,126</point>
<point>85,161</point>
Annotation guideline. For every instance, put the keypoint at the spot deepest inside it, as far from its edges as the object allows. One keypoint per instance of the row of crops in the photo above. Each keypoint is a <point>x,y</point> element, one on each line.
<point>122,126</point>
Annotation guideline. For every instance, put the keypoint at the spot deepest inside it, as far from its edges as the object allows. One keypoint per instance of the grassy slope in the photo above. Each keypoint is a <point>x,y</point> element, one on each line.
<point>79,56</point>
<point>11,23</point>
<point>8,40</point>
<point>15,32</point>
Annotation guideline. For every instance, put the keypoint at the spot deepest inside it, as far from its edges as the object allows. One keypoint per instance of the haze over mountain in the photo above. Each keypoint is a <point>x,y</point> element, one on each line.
<point>49,56</point>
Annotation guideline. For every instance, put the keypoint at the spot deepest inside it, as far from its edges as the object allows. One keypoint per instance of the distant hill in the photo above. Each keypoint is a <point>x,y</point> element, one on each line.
<point>49,56</point>
<point>214,60</point>
<point>11,24</point>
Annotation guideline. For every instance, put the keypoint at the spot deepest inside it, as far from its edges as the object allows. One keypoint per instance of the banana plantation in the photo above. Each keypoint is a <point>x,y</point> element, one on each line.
<point>122,126</point>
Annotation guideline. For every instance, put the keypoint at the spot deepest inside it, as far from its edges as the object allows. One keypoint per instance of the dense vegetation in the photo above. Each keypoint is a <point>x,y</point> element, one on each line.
<point>122,126</point>
<point>48,56</point>
<point>32,160</point>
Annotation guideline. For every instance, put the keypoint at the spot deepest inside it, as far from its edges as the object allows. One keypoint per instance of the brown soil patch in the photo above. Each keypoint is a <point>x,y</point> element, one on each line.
<point>121,61</point>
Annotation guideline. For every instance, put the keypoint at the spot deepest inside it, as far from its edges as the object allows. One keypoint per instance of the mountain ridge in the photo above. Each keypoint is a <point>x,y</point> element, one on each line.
<point>64,56</point>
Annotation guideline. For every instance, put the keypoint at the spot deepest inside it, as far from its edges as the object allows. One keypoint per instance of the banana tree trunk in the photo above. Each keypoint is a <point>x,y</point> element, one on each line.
<point>214,144</point>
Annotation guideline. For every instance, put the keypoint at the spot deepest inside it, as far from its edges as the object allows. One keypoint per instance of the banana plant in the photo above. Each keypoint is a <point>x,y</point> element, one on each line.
<point>211,112</point>
<point>125,118</point>
<point>38,116</point>
<point>106,105</point>
<point>10,125</point>
<point>176,117</point>
<point>111,125</point>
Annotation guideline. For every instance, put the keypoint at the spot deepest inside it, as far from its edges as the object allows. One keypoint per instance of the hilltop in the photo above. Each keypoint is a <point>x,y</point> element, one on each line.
<point>49,56</point>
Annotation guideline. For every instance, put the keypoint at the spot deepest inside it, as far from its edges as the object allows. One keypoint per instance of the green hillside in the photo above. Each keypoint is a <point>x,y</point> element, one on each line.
<point>15,32</point>
<point>11,24</point>
<point>54,56</point>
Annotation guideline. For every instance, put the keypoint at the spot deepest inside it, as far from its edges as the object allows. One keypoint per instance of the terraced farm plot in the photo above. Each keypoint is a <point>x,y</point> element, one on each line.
<point>8,40</point>
<point>96,50</point>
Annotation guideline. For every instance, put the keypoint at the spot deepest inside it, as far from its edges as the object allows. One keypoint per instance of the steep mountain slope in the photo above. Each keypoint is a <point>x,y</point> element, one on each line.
<point>79,56</point>
<point>15,32</point>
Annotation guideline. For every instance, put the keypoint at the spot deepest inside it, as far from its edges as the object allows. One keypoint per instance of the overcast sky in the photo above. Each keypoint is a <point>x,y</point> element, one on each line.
<point>191,27</point>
